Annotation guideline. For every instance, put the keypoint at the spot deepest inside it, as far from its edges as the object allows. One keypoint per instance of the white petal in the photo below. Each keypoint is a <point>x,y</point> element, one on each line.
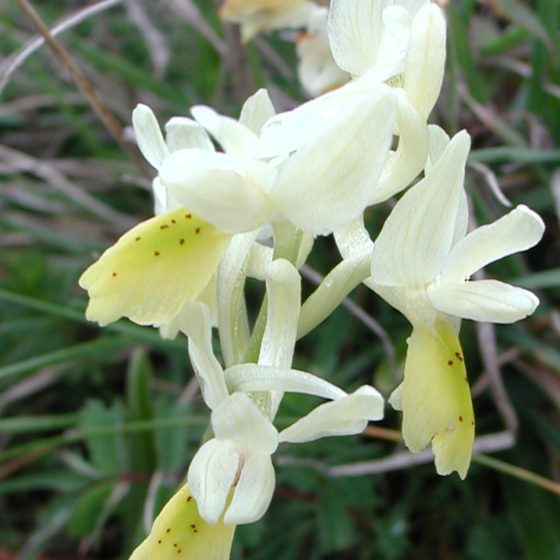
<point>238,419</point>
<point>404,165</point>
<point>438,140</point>
<point>148,135</point>
<point>235,138</point>
<point>484,300</point>
<point>353,238</point>
<point>395,400</point>
<point>354,29</point>
<point>232,310</point>
<point>197,324</point>
<point>248,378</point>
<point>327,183</point>
<point>253,492</point>
<point>343,417</point>
<point>260,259</point>
<point>517,231</point>
<point>425,62</point>
<point>256,111</point>
<point>283,287</point>
<point>182,132</point>
<point>211,475</point>
<point>417,235</point>
<point>214,186</point>
<point>286,132</point>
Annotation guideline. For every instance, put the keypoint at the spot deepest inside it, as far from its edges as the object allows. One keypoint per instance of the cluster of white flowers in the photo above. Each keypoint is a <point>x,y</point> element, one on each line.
<point>254,208</point>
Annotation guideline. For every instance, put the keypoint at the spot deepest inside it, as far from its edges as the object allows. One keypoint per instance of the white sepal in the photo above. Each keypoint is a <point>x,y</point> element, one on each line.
<point>403,165</point>
<point>215,187</point>
<point>518,230</point>
<point>197,325</point>
<point>211,474</point>
<point>327,183</point>
<point>354,28</point>
<point>346,416</point>
<point>256,111</point>
<point>182,132</point>
<point>483,300</point>
<point>249,378</point>
<point>254,490</point>
<point>235,138</point>
<point>238,419</point>
<point>148,135</point>
<point>417,235</point>
<point>425,62</point>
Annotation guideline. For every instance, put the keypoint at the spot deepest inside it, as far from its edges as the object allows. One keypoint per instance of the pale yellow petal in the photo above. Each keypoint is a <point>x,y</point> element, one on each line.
<point>179,533</point>
<point>153,269</point>
<point>436,400</point>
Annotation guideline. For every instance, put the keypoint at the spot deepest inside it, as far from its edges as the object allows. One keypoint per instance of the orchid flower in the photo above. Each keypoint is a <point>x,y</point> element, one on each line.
<point>317,181</point>
<point>256,16</point>
<point>232,473</point>
<point>421,264</point>
<point>402,43</point>
<point>207,196</point>
<point>317,70</point>
<point>147,275</point>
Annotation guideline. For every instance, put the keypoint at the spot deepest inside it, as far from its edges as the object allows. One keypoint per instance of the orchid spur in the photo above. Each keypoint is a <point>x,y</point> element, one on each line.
<point>421,264</point>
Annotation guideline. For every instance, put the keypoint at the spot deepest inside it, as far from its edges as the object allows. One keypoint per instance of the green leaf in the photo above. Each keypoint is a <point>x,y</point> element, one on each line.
<point>88,508</point>
<point>536,522</point>
<point>518,12</point>
<point>98,348</point>
<point>108,452</point>
<point>139,376</point>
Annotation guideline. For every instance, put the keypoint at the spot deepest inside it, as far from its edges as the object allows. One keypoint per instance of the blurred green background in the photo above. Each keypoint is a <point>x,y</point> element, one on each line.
<point>97,427</point>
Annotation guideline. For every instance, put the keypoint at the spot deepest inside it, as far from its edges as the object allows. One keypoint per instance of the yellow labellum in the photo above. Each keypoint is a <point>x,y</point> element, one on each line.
<point>153,269</point>
<point>436,399</point>
<point>179,533</point>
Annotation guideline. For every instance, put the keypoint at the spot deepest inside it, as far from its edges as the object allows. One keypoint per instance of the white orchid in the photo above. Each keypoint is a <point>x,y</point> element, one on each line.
<point>402,43</point>
<point>204,197</point>
<point>319,182</point>
<point>421,264</point>
<point>256,16</point>
<point>232,473</point>
<point>317,69</point>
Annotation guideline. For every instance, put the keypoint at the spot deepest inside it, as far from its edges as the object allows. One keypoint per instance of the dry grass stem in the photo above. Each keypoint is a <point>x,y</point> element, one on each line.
<point>100,108</point>
<point>11,64</point>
